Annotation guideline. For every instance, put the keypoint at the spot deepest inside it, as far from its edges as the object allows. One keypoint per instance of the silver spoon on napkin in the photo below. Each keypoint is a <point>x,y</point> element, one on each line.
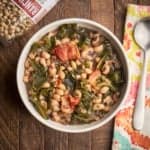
<point>142,38</point>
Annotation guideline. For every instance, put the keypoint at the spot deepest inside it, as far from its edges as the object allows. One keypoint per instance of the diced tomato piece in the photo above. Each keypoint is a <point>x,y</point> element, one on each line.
<point>67,52</point>
<point>73,52</point>
<point>94,76</point>
<point>73,101</point>
<point>61,52</point>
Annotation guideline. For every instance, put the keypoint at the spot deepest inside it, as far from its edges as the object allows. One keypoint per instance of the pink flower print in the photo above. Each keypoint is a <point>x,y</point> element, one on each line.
<point>138,53</point>
<point>134,88</point>
<point>127,42</point>
<point>129,25</point>
<point>140,8</point>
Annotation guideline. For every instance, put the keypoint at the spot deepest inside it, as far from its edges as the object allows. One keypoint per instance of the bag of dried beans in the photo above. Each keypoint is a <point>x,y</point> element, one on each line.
<point>17,16</point>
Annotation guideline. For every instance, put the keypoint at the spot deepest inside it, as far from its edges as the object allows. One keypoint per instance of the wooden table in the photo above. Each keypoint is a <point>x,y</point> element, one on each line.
<point>18,129</point>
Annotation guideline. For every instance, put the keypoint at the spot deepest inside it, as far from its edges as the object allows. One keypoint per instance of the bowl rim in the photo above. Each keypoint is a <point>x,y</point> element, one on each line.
<point>57,23</point>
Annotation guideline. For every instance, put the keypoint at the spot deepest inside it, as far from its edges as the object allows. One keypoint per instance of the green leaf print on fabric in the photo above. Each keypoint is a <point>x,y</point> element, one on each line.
<point>123,141</point>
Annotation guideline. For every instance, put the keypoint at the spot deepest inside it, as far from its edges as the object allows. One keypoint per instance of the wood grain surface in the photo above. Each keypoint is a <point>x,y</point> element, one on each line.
<point>18,129</point>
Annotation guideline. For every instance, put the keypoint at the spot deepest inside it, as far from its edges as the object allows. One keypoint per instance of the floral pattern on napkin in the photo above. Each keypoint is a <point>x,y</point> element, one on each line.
<point>125,137</point>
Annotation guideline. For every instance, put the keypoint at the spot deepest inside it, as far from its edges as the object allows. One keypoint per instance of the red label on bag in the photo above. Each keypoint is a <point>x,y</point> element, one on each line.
<point>35,9</point>
<point>31,7</point>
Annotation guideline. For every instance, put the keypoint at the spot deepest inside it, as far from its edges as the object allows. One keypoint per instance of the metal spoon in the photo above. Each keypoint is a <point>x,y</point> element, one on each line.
<point>142,38</point>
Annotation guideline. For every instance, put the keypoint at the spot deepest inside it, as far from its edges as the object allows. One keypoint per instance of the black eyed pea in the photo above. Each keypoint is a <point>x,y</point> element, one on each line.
<point>88,86</point>
<point>61,75</point>
<point>74,65</point>
<point>58,42</point>
<point>96,41</point>
<point>41,97</point>
<point>108,100</point>
<point>46,85</point>
<point>99,95</point>
<point>27,72</point>
<point>84,111</point>
<point>60,92</point>
<point>98,107</point>
<point>85,54</point>
<point>43,104</point>
<point>106,108</point>
<point>37,59</point>
<point>56,97</point>
<point>97,59</point>
<point>99,48</point>
<point>43,62</point>
<point>27,64</point>
<point>104,89</point>
<point>62,86</point>
<point>116,96</point>
<point>30,69</point>
<point>45,55</point>
<point>62,68</point>
<point>78,62</point>
<point>96,34</point>
<point>78,77</point>
<point>88,70</point>
<point>55,105</point>
<point>83,75</point>
<point>50,34</point>
<point>48,62</point>
<point>54,102</point>
<point>65,107</point>
<point>56,117</point>
<point>49,111</point>
<point>32,55</point>
<point>56,108</point>
<point>106,69</point>
<point>90,64</point>
<point>97,100</point>
<point>35,99</point>
<point>26,79</point>
<point>78,93</point>
<point>66,92</point>
<point>69,68</point>
<point>52,71</point>
<point>75,41</point>
<point>65,40</point>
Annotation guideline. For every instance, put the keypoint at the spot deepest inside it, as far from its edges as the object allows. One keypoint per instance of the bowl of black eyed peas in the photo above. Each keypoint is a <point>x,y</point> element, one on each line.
<point>73,75</point>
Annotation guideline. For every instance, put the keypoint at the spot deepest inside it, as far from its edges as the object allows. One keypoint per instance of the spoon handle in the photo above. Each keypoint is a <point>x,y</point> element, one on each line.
<point>138,117</point>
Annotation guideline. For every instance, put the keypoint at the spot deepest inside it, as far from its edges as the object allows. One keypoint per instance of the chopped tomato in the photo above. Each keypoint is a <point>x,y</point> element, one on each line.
<point>73,101</point>
<point>94,76</point>
<point>67,52</point>
<point>61,52</point>
<point>73,52</point>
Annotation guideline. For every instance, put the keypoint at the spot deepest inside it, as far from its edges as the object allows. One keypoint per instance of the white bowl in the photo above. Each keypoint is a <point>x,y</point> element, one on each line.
<point>22,88</point>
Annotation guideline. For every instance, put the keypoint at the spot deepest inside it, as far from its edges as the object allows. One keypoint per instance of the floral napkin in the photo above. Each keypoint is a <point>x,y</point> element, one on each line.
<point>125,137</point>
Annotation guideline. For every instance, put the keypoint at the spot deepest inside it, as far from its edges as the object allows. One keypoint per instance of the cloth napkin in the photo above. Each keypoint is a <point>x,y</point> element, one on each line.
<point>125,137</point>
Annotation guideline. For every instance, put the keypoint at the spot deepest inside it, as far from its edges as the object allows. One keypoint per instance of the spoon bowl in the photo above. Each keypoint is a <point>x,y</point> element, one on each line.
<point>142,33</point>
<point>141,36</point>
